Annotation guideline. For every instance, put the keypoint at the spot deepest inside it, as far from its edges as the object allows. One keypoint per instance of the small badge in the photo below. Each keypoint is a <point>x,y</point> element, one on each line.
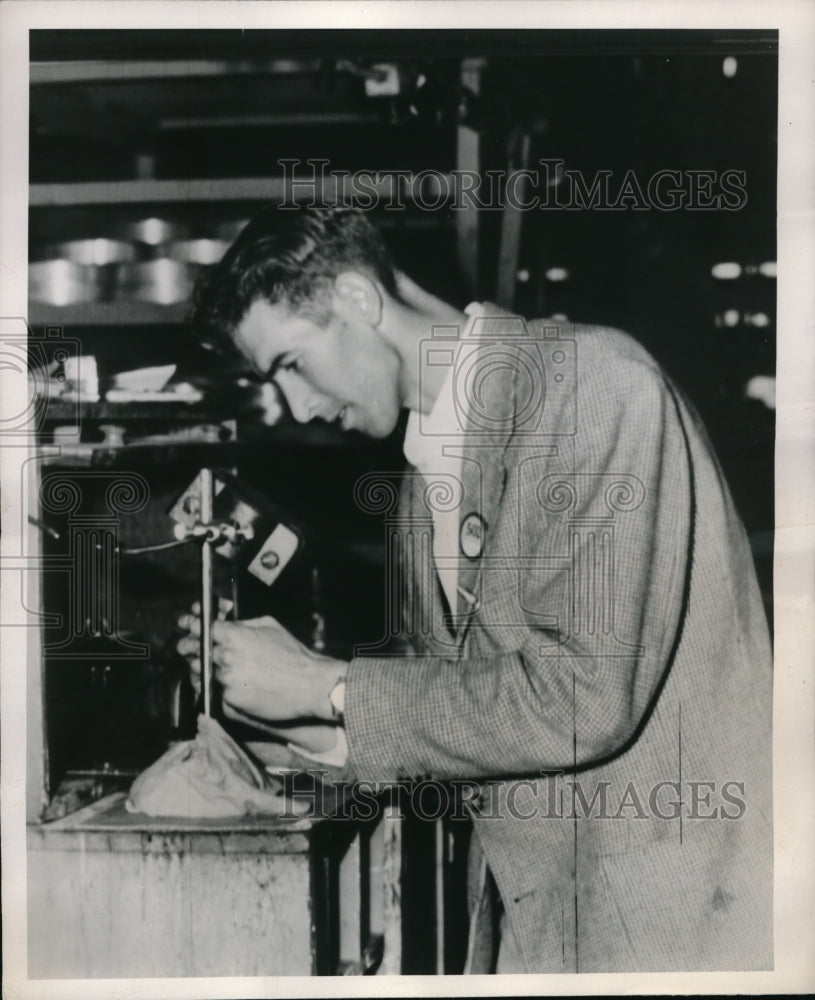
<point>471,536</point>
<point>274,555</point>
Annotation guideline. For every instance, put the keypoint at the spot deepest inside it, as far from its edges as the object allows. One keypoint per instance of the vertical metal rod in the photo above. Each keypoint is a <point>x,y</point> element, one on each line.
<point>206,591</point>
<point>441,877</point>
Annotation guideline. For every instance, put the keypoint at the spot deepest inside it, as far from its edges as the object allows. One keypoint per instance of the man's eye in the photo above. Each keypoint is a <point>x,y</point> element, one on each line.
<point>285,365</point>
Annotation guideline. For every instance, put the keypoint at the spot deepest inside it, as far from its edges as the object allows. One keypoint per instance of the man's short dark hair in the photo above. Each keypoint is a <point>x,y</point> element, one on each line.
<point>291,257</point>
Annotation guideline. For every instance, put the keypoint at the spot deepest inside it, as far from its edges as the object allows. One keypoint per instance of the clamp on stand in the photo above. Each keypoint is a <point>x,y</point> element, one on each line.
<point>210,535</point>
<point>230,520</point>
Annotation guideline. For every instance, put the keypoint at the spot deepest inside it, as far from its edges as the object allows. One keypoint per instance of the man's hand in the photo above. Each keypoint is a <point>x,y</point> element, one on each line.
<point>314,738</point>
<point>264,671</point>
<point>189,646</point>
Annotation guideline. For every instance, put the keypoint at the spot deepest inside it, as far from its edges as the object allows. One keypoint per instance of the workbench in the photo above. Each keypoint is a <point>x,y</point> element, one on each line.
<point>113,894</point>
<point>118,895</point>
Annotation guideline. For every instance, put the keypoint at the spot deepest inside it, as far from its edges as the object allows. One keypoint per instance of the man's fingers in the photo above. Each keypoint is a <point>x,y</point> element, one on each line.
<point>195,676</point>
<point>265,622</point>
<point>188,646</point>
<point>190,623</point>
<point>313,738</point>
<point>227,633</point>
<point>224,607</point>
<point>222,672</point>
<point>222,633</point>
<point>236,715</point>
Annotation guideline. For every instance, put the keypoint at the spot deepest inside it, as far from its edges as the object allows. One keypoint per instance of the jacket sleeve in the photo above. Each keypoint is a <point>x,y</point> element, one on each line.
<point>579,637</point>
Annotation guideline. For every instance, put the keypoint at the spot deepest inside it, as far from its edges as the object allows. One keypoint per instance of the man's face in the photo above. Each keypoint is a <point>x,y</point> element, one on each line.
<point>344,372</point>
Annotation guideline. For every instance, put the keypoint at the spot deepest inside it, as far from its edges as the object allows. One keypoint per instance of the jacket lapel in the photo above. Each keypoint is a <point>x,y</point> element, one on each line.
<point>428,617</point>
<point>490,425</point>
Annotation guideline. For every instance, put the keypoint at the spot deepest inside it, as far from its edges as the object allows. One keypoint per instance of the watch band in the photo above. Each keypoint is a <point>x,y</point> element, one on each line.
<point>337,699</point>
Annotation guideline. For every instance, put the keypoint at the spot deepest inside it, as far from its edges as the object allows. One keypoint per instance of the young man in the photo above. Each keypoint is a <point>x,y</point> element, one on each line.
<point>587,637</point>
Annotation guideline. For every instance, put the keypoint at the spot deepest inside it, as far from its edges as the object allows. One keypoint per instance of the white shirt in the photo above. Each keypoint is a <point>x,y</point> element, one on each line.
<point>433,444</point>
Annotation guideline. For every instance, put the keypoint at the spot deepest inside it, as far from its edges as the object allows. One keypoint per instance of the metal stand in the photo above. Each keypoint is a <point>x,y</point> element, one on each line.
<point>239,514</point>
<point>207,500</point>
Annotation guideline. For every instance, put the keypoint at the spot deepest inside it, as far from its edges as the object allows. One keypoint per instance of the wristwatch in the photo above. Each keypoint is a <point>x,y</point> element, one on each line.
<point>337,699</point>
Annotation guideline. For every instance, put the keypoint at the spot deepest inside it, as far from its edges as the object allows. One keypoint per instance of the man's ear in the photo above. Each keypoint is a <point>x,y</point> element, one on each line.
<point>356,296</point>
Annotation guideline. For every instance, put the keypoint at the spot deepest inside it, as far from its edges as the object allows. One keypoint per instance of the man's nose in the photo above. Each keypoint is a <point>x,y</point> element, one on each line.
<point>301,398</point>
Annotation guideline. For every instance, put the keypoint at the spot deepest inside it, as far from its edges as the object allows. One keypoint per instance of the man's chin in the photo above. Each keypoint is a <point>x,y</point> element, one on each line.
<point>368,425</point>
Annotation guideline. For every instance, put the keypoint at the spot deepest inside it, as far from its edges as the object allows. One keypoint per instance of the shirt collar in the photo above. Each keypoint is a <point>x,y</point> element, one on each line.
<point>425,433</point>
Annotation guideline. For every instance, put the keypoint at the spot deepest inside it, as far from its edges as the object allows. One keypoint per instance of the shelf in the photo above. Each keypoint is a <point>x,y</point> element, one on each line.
<point>63,410</point>
<point>200,453</point>
<point>219,189</point>
<point>108,817</point>
<point>107,314</point>
<point>110,70</point>
<point>138,191</point>
<point>135,415</point>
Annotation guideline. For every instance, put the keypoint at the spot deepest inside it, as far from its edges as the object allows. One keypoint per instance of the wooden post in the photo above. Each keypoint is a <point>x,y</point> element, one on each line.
<point>36,742</point>
<point>390,880</point>
<point>510,248</point>
<point>468,157</point>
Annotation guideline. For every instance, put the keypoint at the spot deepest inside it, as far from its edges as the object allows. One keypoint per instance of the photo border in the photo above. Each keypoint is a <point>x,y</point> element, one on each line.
<point>794,599</point>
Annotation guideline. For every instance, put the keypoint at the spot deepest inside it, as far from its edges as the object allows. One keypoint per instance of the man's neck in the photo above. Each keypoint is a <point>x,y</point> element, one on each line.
<point>412,321</point>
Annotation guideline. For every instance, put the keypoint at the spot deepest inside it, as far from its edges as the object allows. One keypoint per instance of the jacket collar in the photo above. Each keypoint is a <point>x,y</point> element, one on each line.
<point>490,426</point>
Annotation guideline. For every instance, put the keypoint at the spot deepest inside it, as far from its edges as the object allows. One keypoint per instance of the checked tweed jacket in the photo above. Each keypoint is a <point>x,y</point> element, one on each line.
<point>607,674</point>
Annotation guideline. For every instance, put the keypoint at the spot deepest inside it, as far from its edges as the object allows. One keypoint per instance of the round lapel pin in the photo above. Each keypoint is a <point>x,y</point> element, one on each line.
<point>471,536</point>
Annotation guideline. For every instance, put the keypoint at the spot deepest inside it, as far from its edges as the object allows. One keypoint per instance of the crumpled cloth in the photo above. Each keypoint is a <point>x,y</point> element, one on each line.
<point>208,777</point>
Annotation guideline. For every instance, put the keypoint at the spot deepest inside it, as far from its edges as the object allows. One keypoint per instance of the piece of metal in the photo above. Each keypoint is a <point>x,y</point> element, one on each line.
<point>199,251</point>
<point>207,501</point>
<point>63,282</point>
<point>162,280</point>
<point>96,252</point>
<point>153,231</point>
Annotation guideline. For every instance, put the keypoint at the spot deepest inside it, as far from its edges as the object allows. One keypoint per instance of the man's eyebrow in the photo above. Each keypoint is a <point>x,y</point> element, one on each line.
<point>273,367</point>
